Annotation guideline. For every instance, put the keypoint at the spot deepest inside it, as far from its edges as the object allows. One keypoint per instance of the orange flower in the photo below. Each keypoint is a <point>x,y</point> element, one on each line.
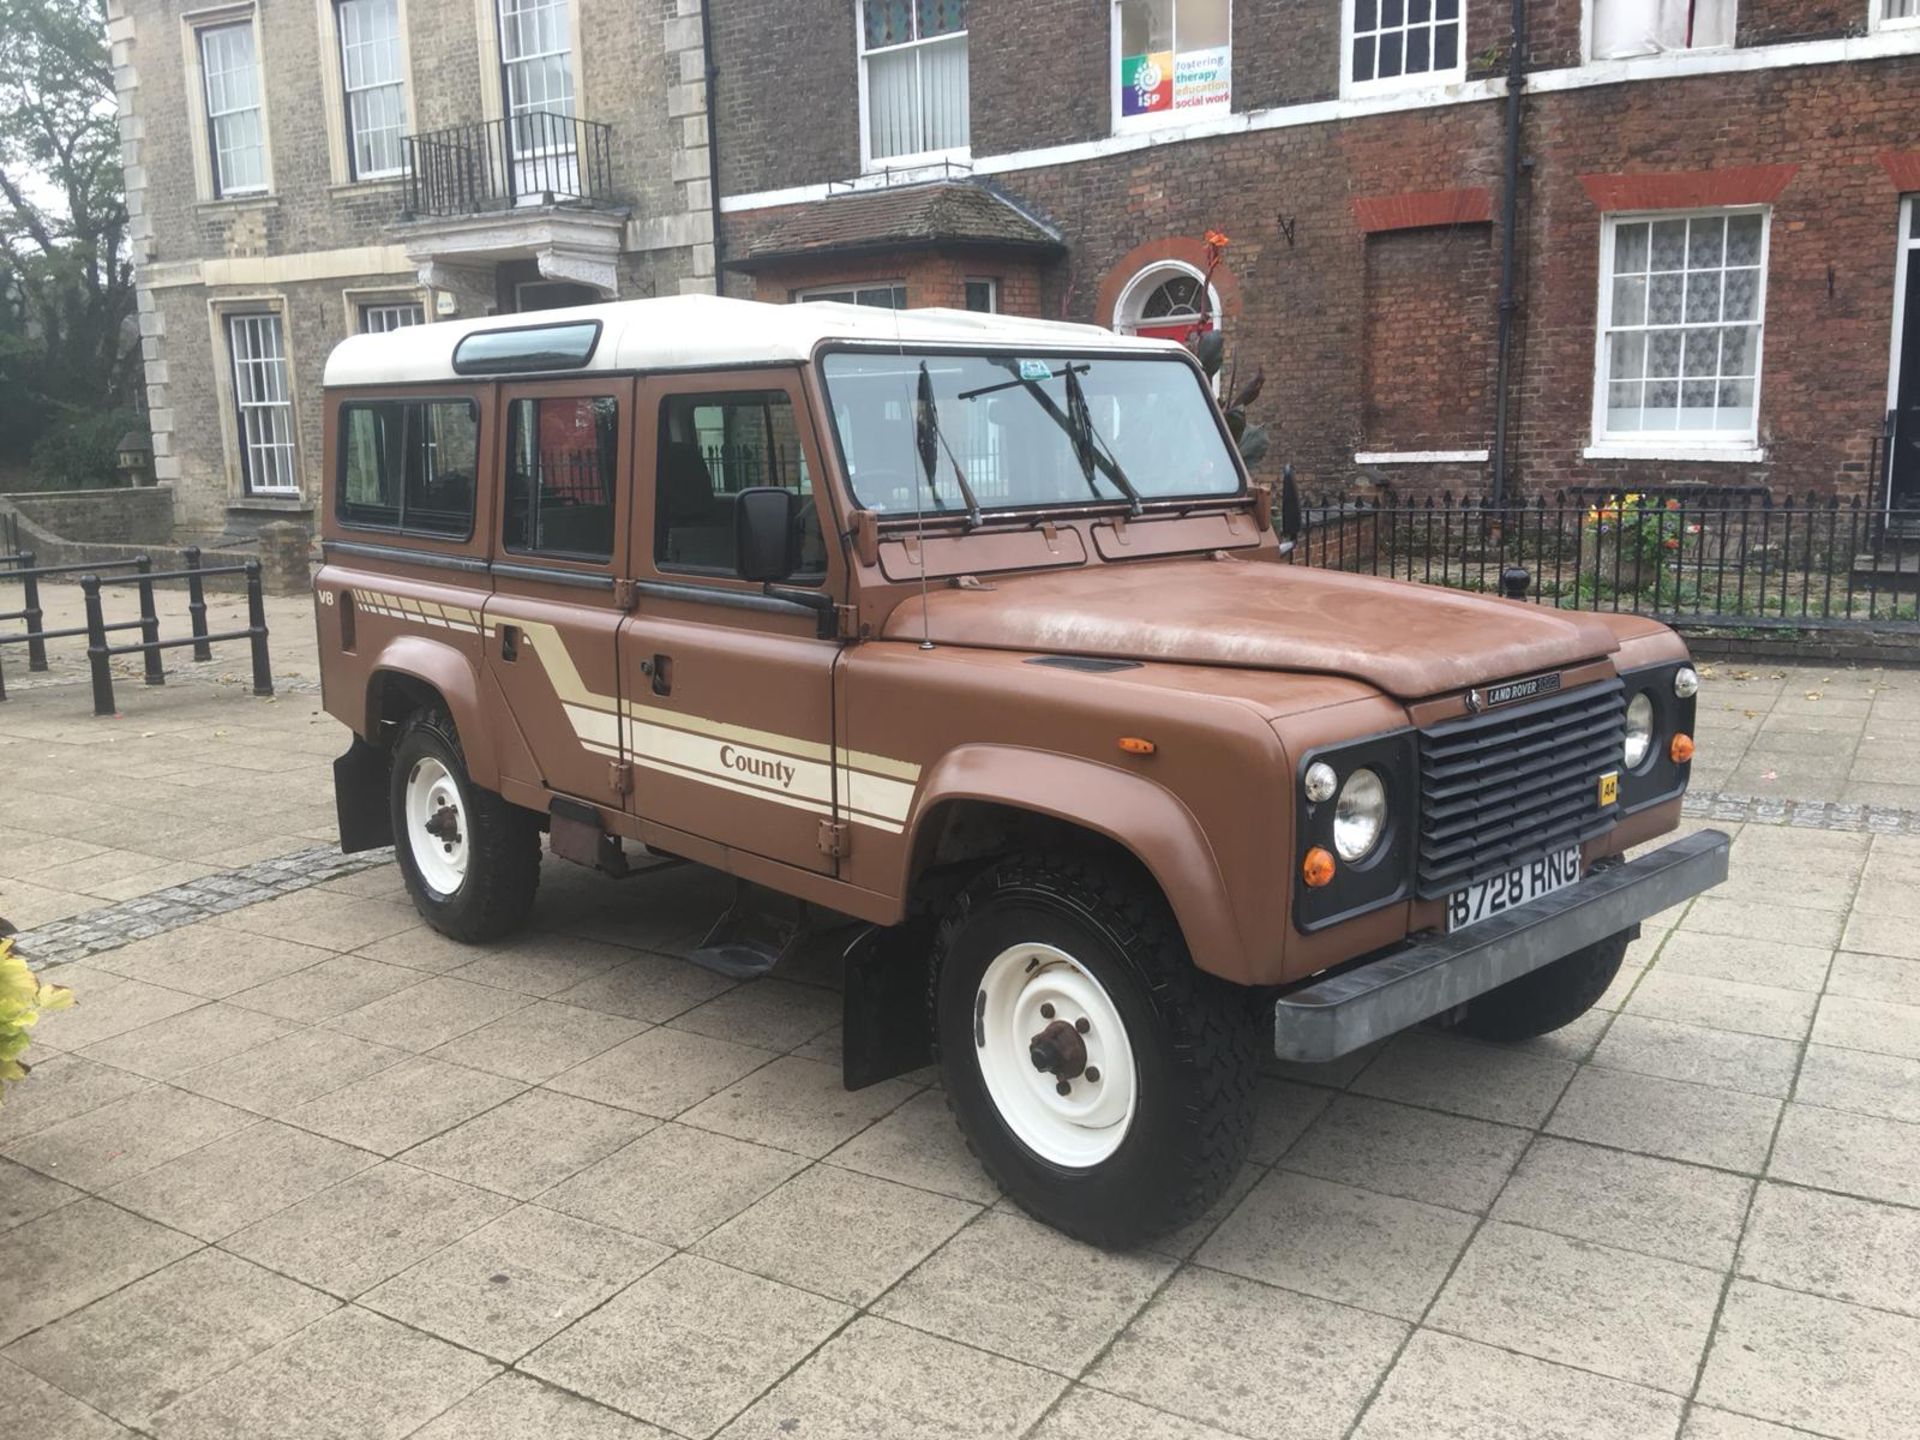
<point>1671,543</point>
<point>1217,241</point>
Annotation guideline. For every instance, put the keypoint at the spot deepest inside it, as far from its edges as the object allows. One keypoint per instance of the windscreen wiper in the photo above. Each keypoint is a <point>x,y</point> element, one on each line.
<point>1086,439</point>
<point>931,442</point>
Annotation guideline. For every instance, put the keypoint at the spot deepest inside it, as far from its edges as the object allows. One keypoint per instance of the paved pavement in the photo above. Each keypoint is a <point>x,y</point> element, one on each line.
<point>295,1166</point>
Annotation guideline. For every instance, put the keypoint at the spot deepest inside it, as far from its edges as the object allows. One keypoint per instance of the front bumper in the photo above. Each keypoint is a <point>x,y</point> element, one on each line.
<point>1328,1018</point>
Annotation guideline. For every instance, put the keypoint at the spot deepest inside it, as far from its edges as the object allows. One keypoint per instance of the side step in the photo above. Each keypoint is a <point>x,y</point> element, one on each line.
<point>756,932</point>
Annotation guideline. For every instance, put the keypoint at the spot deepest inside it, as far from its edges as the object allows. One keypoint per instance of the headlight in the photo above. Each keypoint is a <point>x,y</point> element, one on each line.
<point>1321,782</point>
<point>1639,729</point>
<point>1359,815</point>
<point>1686,682</point>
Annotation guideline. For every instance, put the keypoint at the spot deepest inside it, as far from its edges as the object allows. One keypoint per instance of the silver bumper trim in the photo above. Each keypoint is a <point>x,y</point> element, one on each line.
<point>1331,1017</point>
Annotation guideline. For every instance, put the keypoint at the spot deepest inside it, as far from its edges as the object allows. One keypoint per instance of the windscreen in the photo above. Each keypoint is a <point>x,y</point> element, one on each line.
<point>1023,431</point>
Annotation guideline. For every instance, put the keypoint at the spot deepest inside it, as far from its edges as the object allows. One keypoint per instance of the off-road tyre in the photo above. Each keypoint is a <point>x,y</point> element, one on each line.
<point>1547,998</point>
<point>1194,1038</point>
<point>495,896</point>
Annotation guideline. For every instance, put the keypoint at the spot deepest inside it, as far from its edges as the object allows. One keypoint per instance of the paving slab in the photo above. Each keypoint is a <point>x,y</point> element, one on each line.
<point>348,1238</point>
<point>71,1256</point>
<point>1631,1316</point>
<point>143,1347</point>
<point>837,1233</point>
<point>1668,1118</point>
<point>1868,1084</point>
<point>538,1041</point>
<point>1446,1388</point>
<point>531,1143</point>
<point>279,1077</point>
<point>1486,1082</point>
<point>1417,1154</point>
<point>352,1374</point>
<point>39,1411</point>
<point>689,1344</point>
<point>399,1106</point>
<point>1014,1287</point>
<point>1860,1251</point>
<point>919,1145</point>
<point>516,1281</point>
<point>1817,1364</point>
<point>1375,1251</point>
<point>1635,1202</point>
<point>1699,1055</point>
<point>127,1137</point>
<point>1857,1154</point>
<point>27,1194</point>
<point>876,1378</point>
<point>795,1104</point>
<point>517,1407</point>
<point>661,1072</point>
<point>1204,1349</point>
<point>246,1176</point>
<point>673,1184</point>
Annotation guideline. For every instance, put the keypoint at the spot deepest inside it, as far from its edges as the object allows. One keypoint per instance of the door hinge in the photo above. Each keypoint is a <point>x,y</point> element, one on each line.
<point>620,777</point>
<point>626,594</point>
<point>835,838</point>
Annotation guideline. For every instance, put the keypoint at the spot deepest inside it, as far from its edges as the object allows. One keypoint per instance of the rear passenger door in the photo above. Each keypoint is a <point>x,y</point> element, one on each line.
<point>728,690</point>
<point>566,449</point>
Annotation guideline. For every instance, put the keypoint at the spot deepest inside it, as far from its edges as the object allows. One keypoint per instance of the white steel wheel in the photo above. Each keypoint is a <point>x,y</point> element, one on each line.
<point>1054,1056</point>
<point>436,825</point>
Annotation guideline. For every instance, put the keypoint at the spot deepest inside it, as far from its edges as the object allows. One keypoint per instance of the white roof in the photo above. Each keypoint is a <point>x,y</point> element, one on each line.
<point>695,331</point>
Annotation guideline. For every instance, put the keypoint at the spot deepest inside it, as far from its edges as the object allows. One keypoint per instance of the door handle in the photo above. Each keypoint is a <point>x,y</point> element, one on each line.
<point>509,643</point>
<point>661,669</point>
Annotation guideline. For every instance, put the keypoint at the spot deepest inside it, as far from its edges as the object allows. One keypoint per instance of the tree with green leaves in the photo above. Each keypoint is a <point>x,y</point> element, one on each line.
<point>69,354</point>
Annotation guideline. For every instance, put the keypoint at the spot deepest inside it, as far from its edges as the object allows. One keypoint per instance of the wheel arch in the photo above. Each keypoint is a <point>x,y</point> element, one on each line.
<point>985,800</point>
<point>412,672</point>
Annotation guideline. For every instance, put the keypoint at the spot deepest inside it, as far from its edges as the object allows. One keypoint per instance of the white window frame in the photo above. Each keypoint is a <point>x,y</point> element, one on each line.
<point>1878,19</point>
<point>349,91</point>
<point>414,309</point>
<point>1123,123</point>
<point>1395,84</point>
<point>993,292</point>
<point>210,120</point>
<point>1586,41</point>
<point>1687,445</point>
<point>276,414</point>
<point>847,294</point>
<point>1150,278</point>
<point>868,160</point>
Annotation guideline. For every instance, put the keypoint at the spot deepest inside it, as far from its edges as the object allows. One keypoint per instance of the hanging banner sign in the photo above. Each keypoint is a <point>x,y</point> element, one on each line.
<point>1164,81</point>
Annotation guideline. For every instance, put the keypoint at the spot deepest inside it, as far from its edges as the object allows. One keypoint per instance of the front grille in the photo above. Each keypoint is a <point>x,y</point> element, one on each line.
<point>1512,785</point>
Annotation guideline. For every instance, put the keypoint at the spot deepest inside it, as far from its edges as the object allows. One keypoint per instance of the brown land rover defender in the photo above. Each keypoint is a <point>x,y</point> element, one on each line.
<point>973,630</point>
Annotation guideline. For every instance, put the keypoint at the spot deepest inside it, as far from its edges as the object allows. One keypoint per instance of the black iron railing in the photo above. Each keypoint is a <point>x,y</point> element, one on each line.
<point>1732,558</point>
<point>533,158</point>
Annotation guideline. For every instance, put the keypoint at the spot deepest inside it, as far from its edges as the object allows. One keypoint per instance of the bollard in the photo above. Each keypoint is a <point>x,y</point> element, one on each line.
<point>36,649</point>
<point>197,604</point>
<point>97,647</point>
<point>3,682</point>
<point>257,631</point>
<point>149,623</point>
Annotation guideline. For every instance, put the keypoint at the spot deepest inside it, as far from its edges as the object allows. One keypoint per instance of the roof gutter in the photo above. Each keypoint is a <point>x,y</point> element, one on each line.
<point>713,142</point>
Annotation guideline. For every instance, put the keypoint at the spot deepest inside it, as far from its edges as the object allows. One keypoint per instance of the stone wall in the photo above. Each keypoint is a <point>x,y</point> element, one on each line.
<point>134,515</point>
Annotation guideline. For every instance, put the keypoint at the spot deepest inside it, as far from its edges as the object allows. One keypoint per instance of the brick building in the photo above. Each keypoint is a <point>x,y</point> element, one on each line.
<point>1716,216</point>
<point>301,169</point>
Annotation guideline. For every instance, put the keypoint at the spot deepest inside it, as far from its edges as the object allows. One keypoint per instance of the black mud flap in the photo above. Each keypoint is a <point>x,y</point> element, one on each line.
<point>886,1029</point>
<point>360,797</point>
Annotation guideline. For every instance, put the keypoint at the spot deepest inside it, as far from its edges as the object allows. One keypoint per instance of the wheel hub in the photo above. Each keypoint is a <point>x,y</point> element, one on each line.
<point>436,825</point>
<point>1054,1055</point>
<point>444,825</point>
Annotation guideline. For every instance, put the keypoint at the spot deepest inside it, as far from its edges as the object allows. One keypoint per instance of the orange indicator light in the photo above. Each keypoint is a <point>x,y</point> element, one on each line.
<point>1134,745</point>
<point>1681,749</point>
<point>1317,868</point>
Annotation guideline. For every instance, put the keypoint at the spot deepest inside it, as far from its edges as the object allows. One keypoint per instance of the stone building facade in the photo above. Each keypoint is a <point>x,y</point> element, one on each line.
<point>298,170</point>
<point>1715,260</point>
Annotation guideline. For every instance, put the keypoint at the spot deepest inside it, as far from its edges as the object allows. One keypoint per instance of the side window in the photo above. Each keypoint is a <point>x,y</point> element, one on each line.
<point>712,447</point>
<point>409,465</point>
<point>562,452</point>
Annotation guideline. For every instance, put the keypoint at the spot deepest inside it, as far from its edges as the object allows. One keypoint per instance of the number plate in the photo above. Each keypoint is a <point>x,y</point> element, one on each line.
<point>1497,894</point>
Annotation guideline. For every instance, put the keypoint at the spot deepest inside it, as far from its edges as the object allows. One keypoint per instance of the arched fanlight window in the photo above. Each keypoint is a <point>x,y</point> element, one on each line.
<point>1168,301</point>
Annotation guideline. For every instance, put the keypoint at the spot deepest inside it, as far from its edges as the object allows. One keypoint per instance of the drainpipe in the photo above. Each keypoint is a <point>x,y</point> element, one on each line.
<point>713,132</point>
<point>1509,244</point>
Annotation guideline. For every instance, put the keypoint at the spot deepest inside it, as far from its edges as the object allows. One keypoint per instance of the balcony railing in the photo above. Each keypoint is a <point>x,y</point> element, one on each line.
<point>537,158</point>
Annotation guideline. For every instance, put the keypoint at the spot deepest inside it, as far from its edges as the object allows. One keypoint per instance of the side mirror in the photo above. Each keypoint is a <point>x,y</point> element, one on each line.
<point>766,537</point>
<point>1291,523</point>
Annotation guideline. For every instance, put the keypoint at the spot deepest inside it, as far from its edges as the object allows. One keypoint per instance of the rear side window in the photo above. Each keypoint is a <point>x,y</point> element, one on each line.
<point>562,454</point>
<point>409,465</point>
<point>712,447</point>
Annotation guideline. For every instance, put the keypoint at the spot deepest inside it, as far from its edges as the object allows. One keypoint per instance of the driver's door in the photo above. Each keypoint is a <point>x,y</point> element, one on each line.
<point>727,692</point>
